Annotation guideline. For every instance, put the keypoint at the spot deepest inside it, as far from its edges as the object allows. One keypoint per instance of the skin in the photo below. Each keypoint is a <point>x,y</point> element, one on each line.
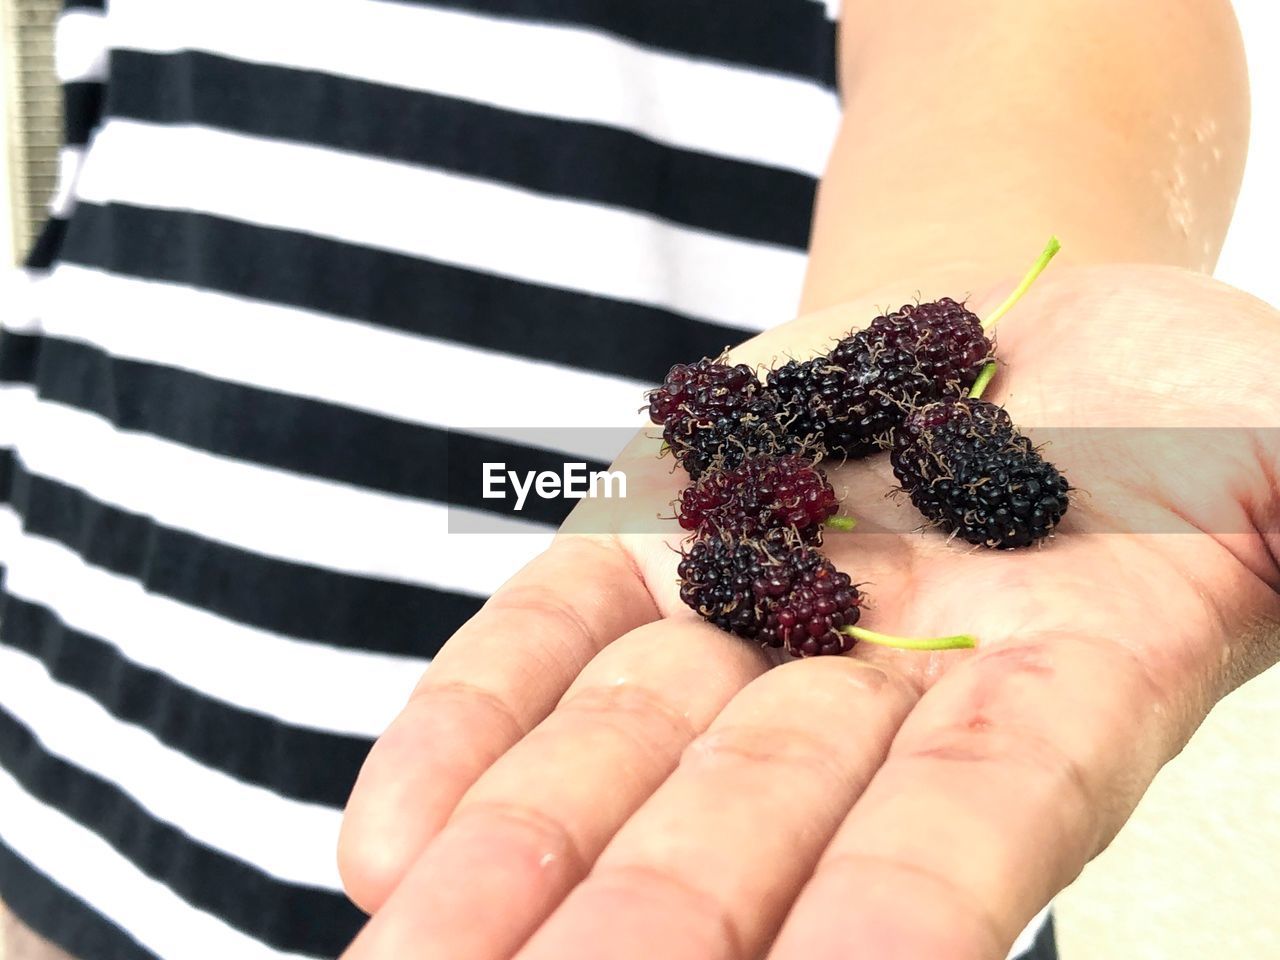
<point>587,770</point>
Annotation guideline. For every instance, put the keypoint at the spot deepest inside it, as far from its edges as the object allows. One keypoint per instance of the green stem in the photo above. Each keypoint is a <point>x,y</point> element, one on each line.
<point>985,377</point>
<point>1037,268</point>
<point>962,641</point>
<point>841,523</point>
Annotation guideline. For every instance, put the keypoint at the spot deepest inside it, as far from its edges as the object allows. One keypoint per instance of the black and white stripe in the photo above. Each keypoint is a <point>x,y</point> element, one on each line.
<point>295,761</point>
<point>432,299</point>
<point>48,831</point>
<point>479,52</point>
<point>60,915</point>
<point>477,225</point>
<point>627,169</point>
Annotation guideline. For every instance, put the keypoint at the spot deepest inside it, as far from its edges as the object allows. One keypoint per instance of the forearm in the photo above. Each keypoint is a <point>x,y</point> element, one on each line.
<point>975,128</point>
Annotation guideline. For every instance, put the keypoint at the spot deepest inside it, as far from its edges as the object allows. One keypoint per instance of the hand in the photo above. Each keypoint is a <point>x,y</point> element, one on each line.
<point>589,771</point>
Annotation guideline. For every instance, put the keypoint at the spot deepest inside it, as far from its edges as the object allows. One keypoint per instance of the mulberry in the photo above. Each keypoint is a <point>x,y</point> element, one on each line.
<point>777,594</point>
<point>967,469</point>
<point>763,495</point>
<point>716,415</point>
<point>848,401</point>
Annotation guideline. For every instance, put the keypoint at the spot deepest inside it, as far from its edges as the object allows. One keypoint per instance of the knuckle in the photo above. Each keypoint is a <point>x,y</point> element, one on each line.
<point>538,606</point>
<point>1033,658</point>
<point>838,677</point>
<point>521,828</point>
<point>982,740</point>
<point>489,706</point>
<point>627,705</point>
<point>938,894</point>
<point>643,882</point>
<point>1040,658</point>
<point>753,745</point>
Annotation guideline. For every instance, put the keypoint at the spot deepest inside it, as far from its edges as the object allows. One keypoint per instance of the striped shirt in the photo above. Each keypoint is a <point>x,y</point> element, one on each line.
<point>300,250</point>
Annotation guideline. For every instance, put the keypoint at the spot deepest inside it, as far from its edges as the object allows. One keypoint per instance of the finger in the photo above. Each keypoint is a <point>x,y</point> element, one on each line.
<point>494,680</point>
<point>1013,771</point>
<point>532,825</point>
<point>707,868</point>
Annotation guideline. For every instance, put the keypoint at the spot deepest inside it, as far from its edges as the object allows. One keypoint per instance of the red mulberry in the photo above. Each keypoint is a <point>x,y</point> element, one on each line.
<point>763,495</point>
<point>716,415</point>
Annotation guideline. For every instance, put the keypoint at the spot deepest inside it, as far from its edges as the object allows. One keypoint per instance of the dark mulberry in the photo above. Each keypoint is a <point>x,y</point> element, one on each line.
<point>848,401</point>
<point>777,594</point>
<point>968,469</point>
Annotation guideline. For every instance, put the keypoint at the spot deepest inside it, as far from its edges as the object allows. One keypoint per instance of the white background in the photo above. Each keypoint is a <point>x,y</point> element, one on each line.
<point>1249,259</point>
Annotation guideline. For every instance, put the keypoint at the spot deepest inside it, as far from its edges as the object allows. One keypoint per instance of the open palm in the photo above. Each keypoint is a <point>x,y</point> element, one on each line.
<point>587,770</point>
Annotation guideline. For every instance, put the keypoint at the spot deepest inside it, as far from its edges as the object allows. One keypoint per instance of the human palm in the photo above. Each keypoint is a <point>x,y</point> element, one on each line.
<point>587,770</point>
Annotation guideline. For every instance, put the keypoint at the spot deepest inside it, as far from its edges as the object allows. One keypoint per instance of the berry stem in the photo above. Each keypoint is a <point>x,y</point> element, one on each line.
<point>962,641</point>
<point>987,374</point>
<point>1050,251</point>
<point>841,523</point>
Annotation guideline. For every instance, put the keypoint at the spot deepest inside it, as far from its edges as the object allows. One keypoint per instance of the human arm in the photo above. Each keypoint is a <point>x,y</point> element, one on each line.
<point>506,671</point>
